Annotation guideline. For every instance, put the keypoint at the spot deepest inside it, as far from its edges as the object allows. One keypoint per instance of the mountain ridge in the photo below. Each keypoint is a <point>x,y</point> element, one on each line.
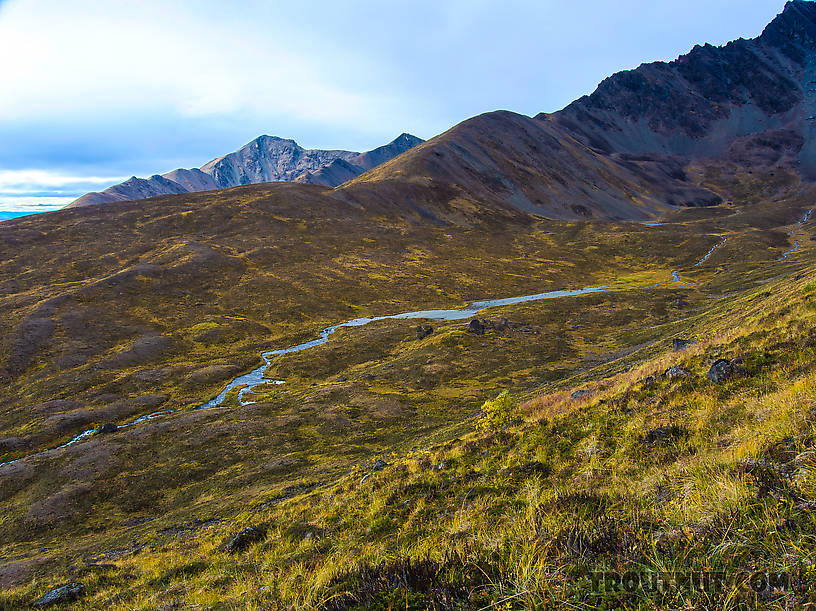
<point>625,151</point>
<point>620,153</point>
<point>699,103</point>
<point>264,159</point>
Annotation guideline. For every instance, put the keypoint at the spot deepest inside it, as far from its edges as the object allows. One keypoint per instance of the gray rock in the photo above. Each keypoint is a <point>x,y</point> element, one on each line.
<point>243,539</point>
<point>379,465</point>
<point>675,372</point>
<point>476,327</point>
<point>107,428</point>
<point>681,344</point>
<point>720,371</point>
<point>424,331</point>
<point>61,596</point>
<point>581,394</point>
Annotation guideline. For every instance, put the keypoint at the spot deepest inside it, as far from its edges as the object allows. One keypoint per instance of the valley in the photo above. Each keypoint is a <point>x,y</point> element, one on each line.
<point>477,371</point>
<point>369,391</point>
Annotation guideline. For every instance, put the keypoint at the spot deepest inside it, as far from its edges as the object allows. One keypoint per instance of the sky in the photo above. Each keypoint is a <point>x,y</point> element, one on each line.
<point>94,91</point>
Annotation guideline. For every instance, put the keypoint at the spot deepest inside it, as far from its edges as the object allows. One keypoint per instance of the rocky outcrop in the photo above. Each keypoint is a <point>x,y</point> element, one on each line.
<point>676,372</point>
<point>476,327</point>
<point>243,539</point>
<point>61,596</point>
<point>699,104</point>
<point>424,331</point>
<point>722,370</point>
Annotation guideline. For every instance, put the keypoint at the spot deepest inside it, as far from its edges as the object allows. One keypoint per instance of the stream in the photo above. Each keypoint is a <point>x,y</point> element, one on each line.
<point>256,377</point>
<point>798,242</point>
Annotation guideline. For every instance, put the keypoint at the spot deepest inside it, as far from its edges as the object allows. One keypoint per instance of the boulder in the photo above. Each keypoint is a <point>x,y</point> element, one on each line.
<point>107,428</point>
<point>721,370</point>
<point>581,394</point>
<point>476,327</point>
<point>681,344</point>
<point>243,539</point>
<point>676,372</point>
<point>61,596</point>
<point>424,331</point>
<point>379,465</point>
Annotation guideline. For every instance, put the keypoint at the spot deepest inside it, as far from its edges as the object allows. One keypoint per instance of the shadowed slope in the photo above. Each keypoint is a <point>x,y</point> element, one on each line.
<point>700,103</point>
<point>510,161</point>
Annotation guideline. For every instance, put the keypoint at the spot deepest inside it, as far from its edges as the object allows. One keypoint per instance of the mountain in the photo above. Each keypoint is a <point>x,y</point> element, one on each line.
<point>701,103</point>
<point>268,159</point>
<point>507,161</point>
<point>625,151</point>
<point>340,170</point>
<point>265,159</point>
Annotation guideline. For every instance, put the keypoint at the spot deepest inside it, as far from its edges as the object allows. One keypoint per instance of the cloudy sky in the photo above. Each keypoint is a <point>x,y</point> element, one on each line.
<point>94,91</point>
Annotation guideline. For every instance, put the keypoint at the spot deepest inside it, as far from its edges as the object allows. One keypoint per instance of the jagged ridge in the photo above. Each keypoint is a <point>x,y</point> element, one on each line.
<point>265,159</point>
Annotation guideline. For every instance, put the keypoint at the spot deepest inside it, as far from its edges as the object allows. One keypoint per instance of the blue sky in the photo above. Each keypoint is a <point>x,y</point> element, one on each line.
<point>94,91</point>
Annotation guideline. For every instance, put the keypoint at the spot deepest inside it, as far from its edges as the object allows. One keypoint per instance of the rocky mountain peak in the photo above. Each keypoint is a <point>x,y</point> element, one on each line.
<point>264,159</point>
<point>793,31</point>
<point>701,102</point>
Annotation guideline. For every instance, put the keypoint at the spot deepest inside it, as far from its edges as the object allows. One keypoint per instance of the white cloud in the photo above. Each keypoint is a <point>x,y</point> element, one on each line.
<point>192,59</point>
<point>13,181</point>
<point>33,205</point>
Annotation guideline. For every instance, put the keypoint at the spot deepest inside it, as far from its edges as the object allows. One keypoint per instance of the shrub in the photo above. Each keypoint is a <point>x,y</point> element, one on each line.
<point>498,412</point>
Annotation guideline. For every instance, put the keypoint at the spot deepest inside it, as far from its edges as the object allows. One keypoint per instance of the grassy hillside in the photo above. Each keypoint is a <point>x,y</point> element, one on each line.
<point>571,486</point>
<point>647,473</point>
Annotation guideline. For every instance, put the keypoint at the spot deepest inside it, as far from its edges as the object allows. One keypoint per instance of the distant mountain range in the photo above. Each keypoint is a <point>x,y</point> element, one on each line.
<point>265,159</point>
